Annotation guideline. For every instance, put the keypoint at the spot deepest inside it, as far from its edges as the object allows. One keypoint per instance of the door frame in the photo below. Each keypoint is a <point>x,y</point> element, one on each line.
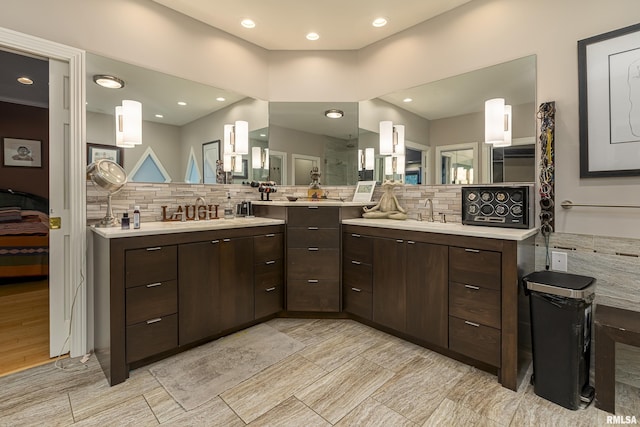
<point>75,259</point>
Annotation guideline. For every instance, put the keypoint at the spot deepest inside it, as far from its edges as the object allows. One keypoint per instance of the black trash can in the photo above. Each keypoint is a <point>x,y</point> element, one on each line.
<point>561,336</point>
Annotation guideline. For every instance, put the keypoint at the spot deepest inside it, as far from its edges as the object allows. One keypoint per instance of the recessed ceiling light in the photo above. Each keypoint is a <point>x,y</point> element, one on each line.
<point>407,100</point>
<point>313,36</point>
<point>182,103</point>
<point>160,116</point>
<point>109,82</point>
<point>25,80</point>
<point>379,22</point>
<point>334,113</point>
<point>263,135</point>
<point>221,99</point>
<point>248,23</point>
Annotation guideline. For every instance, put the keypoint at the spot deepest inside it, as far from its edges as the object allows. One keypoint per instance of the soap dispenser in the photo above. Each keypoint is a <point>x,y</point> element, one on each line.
<point>228,208</point>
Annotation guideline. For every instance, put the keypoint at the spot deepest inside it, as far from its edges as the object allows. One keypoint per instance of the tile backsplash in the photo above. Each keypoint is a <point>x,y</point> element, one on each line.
<point>151,197</point>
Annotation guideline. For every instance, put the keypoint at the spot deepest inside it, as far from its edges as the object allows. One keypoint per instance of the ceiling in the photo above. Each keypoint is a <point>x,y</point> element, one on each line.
<point>17,65</point>
<point>283,24</point>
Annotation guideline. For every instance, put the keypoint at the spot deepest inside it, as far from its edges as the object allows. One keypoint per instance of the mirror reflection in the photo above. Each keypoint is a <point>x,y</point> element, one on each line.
<point>181,122</point>
<point>449,113</point>
<point>303,135</point>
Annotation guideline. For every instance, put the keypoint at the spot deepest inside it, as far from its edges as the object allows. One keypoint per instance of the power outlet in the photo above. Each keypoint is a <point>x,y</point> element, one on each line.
<point>558,261</point>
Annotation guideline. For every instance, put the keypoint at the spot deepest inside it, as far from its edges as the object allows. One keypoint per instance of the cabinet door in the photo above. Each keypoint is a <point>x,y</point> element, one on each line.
<point>389,290</point>
<point>236,302</point>
<point>198,284</point>
<point>427,292</point>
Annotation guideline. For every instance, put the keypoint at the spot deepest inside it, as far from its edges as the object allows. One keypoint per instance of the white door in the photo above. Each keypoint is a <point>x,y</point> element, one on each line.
<point>67,188</point>
<point>59,278</point>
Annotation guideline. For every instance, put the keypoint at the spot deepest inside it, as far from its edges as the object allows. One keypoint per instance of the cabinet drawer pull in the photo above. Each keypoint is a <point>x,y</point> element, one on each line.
<point>475,325</point>
<point>157,248</point>
<point>475,288</point>
<point>312,207</point>
<point>312,281</point>
<point>269,262</point>
<point>271,289</point>
<point>411,242</point>
<point>226,240</point>
<point>153,285</point>
<point>215,241</point>
<point>356,262</point>
<point>313,249</point>
<point>312,228</point>
<point>357,236</point>
<point>270,235</point>
<point>356,290</point>
<point>472,250</point>
<point>399,240</point>
<point>156,320</point>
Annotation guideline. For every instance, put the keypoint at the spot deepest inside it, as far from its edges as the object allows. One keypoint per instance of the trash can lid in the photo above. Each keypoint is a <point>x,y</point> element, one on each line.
<point>559,283</point>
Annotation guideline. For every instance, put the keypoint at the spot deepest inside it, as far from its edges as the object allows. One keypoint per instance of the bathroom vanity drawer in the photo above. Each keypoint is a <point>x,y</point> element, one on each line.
<point>268,298</point>
<point>313,263</point>
<point>150,265</point>
<point>268,247</point>
<point>298,237</point>
<point>474,340</point>
<point>357,247</point>
<point>475,303</point>
<point>151,301</point>
<point>270,267</point>
<point>355,273</point>
<point>313,295</point>
<point>314,216</point>
<point>151,337</point>
<point>358,301</point>
<point>475,267</point>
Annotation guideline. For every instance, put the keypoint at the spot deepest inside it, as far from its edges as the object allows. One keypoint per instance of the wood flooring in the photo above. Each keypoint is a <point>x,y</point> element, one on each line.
<point>24,325</point>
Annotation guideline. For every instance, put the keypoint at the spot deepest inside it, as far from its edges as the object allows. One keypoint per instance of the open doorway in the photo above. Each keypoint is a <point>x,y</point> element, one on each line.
<point>24,209</point>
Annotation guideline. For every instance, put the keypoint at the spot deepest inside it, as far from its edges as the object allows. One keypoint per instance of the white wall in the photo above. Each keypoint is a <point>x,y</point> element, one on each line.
<point>476,35</point>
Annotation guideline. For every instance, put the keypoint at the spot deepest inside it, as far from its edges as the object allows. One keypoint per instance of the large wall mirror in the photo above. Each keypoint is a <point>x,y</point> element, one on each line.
<point>444,126</point>
<point>182,122</point>
<point>303,135</point>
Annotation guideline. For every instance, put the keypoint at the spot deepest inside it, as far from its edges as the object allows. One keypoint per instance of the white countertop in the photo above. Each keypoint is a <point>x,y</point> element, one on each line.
<point>168,227</point>
<point>308,202</point>
<point>446,228</point>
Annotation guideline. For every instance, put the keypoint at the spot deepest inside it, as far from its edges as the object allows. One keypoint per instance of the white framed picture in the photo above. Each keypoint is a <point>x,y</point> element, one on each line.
<point>364,191</point>
<point>22,152</point>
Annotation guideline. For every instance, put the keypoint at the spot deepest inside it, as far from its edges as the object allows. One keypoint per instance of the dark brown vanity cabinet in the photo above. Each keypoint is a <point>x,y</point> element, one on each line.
<point>410,288</point>
<point>268,254</point>
<point>474,303</point>
<point>151,301</point>
<point>427,292</point>
<point>357,275</point>
<point>157,293</point>
<point>313,258</point>
<point>199,266</point>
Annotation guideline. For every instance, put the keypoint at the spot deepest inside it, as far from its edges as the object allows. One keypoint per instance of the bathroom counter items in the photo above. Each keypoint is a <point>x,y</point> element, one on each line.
<point>309,202</point>
<point>446,228</point>
<point>169,227</point>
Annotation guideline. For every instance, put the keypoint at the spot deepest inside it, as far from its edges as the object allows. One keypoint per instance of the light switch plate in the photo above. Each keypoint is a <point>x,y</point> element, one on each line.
<point>558,261</point>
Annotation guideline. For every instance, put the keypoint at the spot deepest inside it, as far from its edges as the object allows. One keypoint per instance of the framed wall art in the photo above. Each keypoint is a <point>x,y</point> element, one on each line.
<point>22,152</point>
<point>100,151</point>
<point>364,191</point>
<point>609,93</point>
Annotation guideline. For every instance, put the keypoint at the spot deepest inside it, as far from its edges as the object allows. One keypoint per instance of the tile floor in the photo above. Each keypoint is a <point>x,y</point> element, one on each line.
<point>346,375</point>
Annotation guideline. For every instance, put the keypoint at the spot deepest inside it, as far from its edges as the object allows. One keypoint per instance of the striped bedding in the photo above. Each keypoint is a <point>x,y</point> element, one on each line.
<point>24,246</point>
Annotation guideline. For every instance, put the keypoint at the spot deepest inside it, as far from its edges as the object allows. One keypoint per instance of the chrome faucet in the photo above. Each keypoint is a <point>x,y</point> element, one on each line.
<point>196,214</point>
<point>430,203</point>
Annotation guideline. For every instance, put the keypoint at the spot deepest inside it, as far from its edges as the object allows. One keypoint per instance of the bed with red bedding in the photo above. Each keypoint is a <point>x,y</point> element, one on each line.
<point>24,235</point>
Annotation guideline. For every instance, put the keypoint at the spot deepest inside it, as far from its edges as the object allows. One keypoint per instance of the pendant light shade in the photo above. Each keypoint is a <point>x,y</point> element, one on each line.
<point>128,118</point>
<point>386,138</point>
<point>256,158</point>
<point>369,158</point>
<point>507,128</point>
<point>494,121</point>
